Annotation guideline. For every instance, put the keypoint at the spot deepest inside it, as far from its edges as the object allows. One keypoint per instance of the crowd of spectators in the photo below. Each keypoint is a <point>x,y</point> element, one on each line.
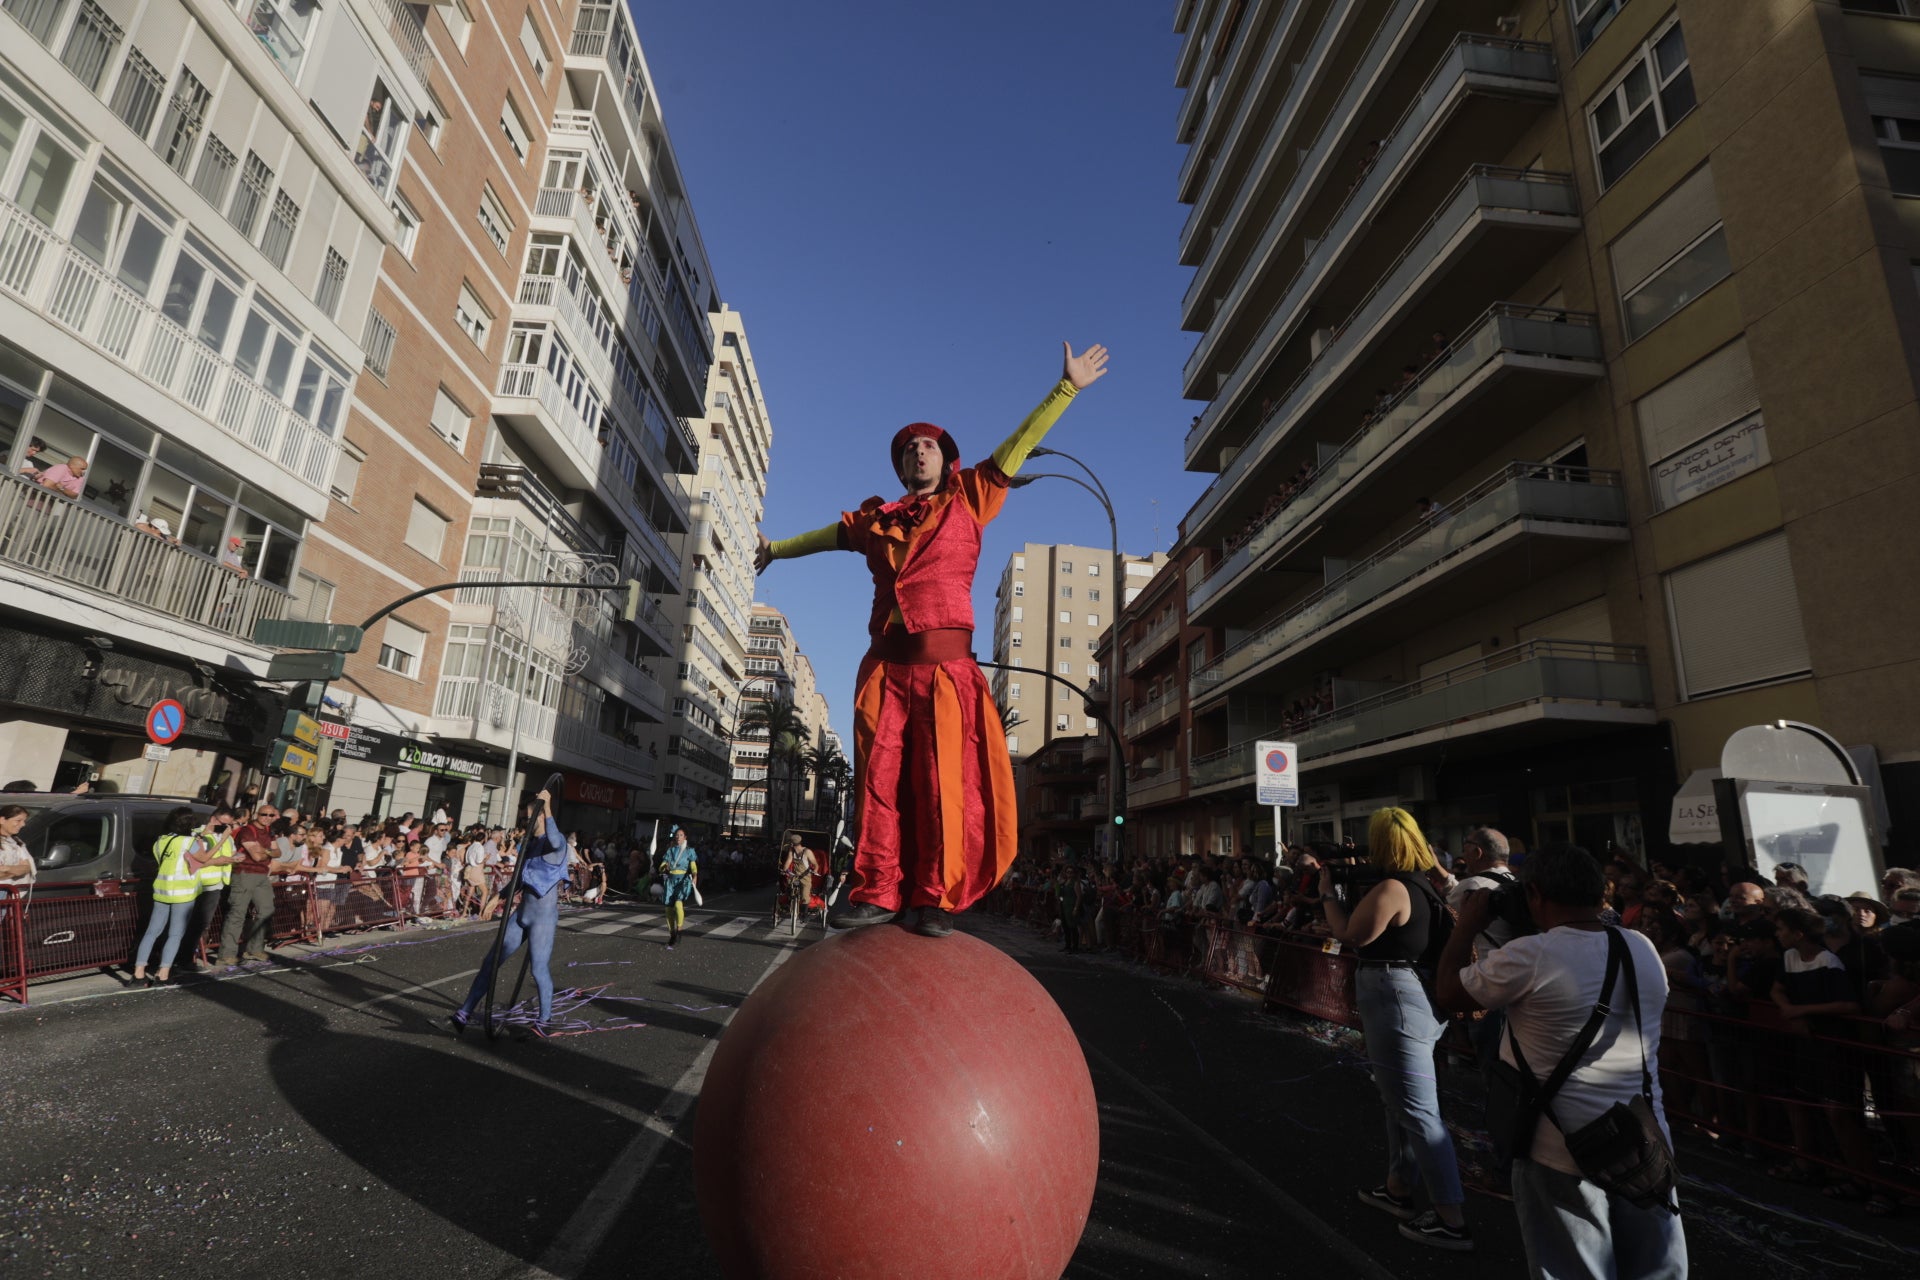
<point>1791,1034</point>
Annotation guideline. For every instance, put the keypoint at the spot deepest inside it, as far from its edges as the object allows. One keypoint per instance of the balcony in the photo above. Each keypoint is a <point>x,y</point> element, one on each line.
<point>1526,521</point>
<point>1512,365</point>
<point>565,299</point>
<point>585,747</point>
<point>1158,637</point>
<point>1154,712</point>
<point>1494,229</point>
<point>480,711</point>
<point>79,549</point>
<point>1158,789</point>
<point>1473,91</point>
<point>517,484</point>
<point>52,278</point>
<point>1533,692</point>
<point>600,36</point>
<point>560,431</point>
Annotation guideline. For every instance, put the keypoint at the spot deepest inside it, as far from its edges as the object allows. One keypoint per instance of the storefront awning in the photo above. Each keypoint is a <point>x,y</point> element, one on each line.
<point>1695,818</point>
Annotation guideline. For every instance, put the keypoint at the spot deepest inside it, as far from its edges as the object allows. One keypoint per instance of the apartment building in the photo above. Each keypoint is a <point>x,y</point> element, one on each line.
<point>1554,362</point>
<point>195,208</point>
<point>711,618</point>
<point>442,321</point>
<point>1051,605</point>
<point>770,786</point>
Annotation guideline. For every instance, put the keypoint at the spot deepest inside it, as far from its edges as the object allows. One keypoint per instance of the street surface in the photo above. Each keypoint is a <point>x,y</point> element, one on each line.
<point>315,1118</point>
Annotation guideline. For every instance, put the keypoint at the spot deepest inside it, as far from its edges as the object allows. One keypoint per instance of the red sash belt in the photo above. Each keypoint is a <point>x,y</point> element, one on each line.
<point>944,644</point>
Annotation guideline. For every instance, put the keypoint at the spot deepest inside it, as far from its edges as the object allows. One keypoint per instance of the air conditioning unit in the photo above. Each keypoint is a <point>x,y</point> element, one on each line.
<point>1227,455</point>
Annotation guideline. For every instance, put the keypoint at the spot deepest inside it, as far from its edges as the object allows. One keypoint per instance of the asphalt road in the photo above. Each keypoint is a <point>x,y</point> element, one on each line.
<point>315,1118</point>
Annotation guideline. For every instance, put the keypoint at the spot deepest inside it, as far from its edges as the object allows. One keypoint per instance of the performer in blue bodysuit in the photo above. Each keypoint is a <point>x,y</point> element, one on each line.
<point>679,867</point>
<point>533,919</point>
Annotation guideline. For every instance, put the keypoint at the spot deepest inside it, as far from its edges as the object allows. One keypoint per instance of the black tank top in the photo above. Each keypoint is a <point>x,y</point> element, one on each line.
<point>1404,941</point>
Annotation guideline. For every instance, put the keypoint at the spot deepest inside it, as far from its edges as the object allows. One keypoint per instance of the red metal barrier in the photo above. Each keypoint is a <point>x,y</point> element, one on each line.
<point>1307,979</point>
<point>13,946</point>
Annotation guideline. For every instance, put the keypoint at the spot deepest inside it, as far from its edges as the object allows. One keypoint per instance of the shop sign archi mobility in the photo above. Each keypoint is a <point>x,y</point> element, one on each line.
<point>357,742</point>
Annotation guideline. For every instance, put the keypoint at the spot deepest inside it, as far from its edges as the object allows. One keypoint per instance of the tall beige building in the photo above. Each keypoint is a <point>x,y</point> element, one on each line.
<point>1556,363</point>
<point>1052,603</point>
<point>770,788</point>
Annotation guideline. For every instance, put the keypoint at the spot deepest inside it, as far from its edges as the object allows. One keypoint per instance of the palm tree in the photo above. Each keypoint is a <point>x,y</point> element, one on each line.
<point>829,769</point>
<point>1010,719</point>
<point>786,740</point>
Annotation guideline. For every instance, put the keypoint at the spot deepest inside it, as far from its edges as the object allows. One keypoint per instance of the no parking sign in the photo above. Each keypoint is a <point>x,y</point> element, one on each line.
<point>1276,773</point>
<point>166,721</point>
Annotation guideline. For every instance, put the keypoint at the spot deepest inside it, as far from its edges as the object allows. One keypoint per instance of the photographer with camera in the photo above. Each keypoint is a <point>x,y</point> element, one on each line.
<point>1575,1104</point>
<point>1388,913</point>
<point>1484,855</point>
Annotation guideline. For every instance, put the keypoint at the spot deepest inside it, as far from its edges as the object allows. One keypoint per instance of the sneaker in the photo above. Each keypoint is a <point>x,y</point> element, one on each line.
<point>458,1021</point>
<point>1384,1200</point>
<point>259,957</point>
<point>935,922</point>
<point>1428,1229</point>
<point>862,913</point>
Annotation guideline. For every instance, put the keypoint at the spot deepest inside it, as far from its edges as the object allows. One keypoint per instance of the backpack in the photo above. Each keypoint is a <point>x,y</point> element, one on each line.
<point>1439,926</point>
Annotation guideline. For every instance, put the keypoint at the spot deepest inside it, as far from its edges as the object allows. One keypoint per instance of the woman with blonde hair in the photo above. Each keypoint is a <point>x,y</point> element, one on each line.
<point>1392,921</point>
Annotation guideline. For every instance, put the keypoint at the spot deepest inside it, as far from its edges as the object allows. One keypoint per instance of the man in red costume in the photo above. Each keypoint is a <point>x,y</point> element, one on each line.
<point>933,786</point>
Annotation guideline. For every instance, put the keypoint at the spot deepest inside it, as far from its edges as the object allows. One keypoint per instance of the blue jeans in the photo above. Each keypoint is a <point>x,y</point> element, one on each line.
<point>531,923</point>
<point>1401,1030</point>
<point>1573,1230</point>
<point>173,917</point>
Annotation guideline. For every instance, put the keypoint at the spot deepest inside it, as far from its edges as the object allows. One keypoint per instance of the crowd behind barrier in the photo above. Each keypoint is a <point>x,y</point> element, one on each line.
<point>1832,1098</point>
<point>345,878</point>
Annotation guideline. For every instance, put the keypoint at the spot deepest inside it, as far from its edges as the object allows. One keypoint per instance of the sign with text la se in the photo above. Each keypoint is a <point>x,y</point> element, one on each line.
<point>1276,772</point>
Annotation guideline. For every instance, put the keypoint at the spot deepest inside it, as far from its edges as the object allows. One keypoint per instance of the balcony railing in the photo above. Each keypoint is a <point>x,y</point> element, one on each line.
<point>1504,330</point>
<point>503,480</point>
<point>403,23</point>
<point>606,752</point>
<point>1155,789</point>
<point>1154,712</point>
<point>597,33</point>
<point>1512,60</point>
<point>51,277</point>
<point>471,698</point>
<point>52,535</point>
<point>533,382</point>
<point>1539,671</point>
<point>1521,491</point>
<point>1154,641</point>
<point>592,332</point>
<point>1485,188</point>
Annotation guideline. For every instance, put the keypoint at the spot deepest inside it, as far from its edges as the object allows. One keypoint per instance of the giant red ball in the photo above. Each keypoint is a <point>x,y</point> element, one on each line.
<point>889,1105</point>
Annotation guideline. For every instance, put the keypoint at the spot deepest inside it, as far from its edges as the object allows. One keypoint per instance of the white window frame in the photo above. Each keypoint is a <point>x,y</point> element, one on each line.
<point>1066,617</point>
<point>450,421</point>
<point>494,220</point>
<point>534,45</point>
<point>1019,588</point>
<point>1066,668</point>
<point>1616,87</point>
<point>424,526</point>
<point>1013,640</point>
<point>459,20</point>
<point>513,125</point>
<point>347,465</point>
<point>472,317</point>
<point>1589,19</point>
<point>398,658</point>
<point>1013,690</point>
<point>406,222</point>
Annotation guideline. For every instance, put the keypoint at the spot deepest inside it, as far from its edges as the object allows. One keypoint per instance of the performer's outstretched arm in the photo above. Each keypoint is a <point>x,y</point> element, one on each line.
<point>826,538</point>
<point>1077,373</point>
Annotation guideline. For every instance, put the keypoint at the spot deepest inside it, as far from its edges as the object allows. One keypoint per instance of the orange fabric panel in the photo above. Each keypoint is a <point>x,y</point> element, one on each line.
<point>949,741</point>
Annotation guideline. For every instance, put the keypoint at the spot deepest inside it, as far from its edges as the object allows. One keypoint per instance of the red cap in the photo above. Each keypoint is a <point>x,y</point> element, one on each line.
<point>926,431</point>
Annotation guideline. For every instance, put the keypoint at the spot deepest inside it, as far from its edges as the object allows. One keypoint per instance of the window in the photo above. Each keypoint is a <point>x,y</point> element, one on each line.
<point>1060,724</point>
<point>1094,595</point>
<point>1672,255</point>
<point>1065,668</point>
<point>431,119</point>
<point>1703,428</point>
<point>493,218</point>
<point>459,20</point>
<point>1894,104</point>
<point>406,224</point>
<point>282,27</point>
<point>1736,619</point>
<point>534,47</point>
<point>137,93</point>
<point>377,341</point>
<point>215,173</point>
<point>256,180</point>
<point>1014,639</point>
<point>1019,588</point>
<point>1013,691</point>
<point>277,239</point>
<point>1093,646</point>
<point>1590,18</point>
<point>1019,562</point>
<point>312,599</point>
<point>1640,107</point>
<point>401,647</point>
<point>42,184</point>
<point>449,419</point>
<point>1066,566</point>
<point>426,530</point>
<point>1065,618</point>
<point>1019,613</point>
<point>1066,593</point>
<point>346,473</point>
<point>333,283</point>
<point>472,317</point>
<point>1093,570</point>
<point>186,114</point>
<point>1013,742</point>
<point>90,45</point>
<point>1093,671</point>
<point>514,126</point>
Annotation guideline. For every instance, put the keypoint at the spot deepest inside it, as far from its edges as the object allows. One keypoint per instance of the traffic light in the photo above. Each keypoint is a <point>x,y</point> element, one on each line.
<point>631,609</point>
<point>1119,819</point>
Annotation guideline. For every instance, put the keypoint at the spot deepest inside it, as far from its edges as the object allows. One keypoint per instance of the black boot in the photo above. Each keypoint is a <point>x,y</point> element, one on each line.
<point>935,922</point>
<point>862,913</point>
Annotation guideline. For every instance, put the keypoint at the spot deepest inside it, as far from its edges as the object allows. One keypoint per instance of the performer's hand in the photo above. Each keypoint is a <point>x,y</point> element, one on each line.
<point>762,555</point>
<point>1086,368</point>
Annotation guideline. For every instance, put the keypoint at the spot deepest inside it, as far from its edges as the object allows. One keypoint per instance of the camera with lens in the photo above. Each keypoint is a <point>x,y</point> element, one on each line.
<point>1352,880</point>
<point>1508,904</point>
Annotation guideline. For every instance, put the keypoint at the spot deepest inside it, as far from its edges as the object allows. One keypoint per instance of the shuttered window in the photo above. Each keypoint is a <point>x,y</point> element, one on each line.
<point>1672,255</point>
<point>1736,619</point>
<point>426,530</point>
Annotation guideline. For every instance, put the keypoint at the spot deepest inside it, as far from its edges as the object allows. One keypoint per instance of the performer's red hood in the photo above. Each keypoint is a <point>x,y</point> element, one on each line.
<point>926,431</point>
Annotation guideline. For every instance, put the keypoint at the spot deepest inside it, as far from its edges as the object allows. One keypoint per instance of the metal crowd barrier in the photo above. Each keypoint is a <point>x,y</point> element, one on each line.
<point>52,933</point>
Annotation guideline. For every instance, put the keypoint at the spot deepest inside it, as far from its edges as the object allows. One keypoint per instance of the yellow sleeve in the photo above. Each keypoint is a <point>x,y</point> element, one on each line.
<point>1013,451</point>
<point>825,538</point>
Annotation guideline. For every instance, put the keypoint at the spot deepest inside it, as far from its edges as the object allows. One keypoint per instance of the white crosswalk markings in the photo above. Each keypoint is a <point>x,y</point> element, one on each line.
<point>735,927</point>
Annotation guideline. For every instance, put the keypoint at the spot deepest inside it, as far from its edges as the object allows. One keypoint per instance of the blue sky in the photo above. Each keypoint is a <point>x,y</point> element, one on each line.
<point>912,206</point>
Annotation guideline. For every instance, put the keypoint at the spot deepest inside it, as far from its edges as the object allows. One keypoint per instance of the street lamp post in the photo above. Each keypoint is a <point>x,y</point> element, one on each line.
<point>733,736</point>
<point>1116,764</point>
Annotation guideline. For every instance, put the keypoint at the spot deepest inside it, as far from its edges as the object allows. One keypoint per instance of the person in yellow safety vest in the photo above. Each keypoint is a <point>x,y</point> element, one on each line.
<point>216,872</point>
<point>175,886</point>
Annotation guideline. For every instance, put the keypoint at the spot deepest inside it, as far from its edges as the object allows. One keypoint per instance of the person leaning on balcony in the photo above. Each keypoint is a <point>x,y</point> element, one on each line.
<point>233,557</point>
<point>69,477</point>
